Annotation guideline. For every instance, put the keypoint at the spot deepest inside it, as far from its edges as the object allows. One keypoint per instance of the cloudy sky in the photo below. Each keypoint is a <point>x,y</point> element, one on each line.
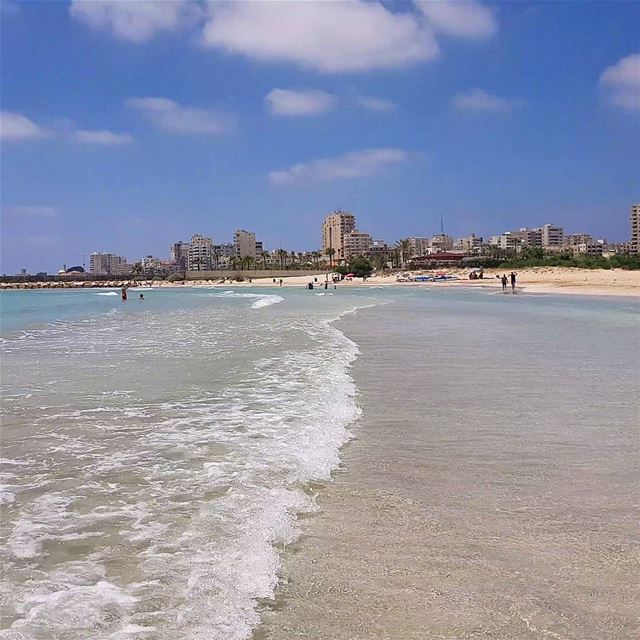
<point>129,125</point>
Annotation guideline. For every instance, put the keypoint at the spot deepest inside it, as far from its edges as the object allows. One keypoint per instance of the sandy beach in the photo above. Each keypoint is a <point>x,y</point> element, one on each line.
<point>599,282</point>
<point>565,280</point>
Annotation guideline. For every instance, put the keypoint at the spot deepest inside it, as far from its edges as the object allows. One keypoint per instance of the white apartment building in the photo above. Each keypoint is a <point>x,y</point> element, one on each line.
<point>634,218</point>
<point>245,243</point>
<point>103,264</point>
<point>356,243</point>
<point>334,228</point>
<point>506,241</point>
<point>200,253</point>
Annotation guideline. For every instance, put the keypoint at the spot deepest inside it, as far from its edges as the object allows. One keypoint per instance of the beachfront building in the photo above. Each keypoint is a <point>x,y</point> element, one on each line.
<point>505,241</point>
<point>441,242</point>
<point>104,264</point>
<point>334,228</point>
<point>380,252</point>
<point>574,239</point>
<point>634,218</point>
<point>200,253</point>
<point>552,236</point>
<point>524,237</point>
<point>470,245</point>
<point>356,243</point>
<point>587,249</point>
<point>222,255</point>
<point>418,246</point>
<point>245,244</point>
<point>179,255</point>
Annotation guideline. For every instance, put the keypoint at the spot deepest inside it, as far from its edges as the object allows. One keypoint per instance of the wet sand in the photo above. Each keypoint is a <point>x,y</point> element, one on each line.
<point>490,489</point>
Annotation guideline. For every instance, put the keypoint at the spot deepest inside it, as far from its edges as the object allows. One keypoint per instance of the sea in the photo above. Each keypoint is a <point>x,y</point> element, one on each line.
<point>162,458</point>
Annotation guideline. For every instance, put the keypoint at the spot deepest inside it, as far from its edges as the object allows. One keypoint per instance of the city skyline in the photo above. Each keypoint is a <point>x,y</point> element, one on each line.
<point>180,119</point>
<point>339,233</point>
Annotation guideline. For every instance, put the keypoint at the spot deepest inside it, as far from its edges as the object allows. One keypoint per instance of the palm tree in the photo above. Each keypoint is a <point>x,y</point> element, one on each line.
<point>216,258</point>
<point>282,254</point>
<point>330,251</point>
<point>404,247</point>
<point>136,270</point>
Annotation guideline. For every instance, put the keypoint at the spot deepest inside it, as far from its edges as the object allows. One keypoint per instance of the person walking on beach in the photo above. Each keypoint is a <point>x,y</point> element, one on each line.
<point>513,275</point>
<point>504,283</point>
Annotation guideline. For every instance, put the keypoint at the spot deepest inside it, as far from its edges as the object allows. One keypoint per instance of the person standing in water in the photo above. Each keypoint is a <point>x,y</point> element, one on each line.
<point>504,283</point>
<point>123,294</point>
<point>513,275</point>
<point>141,297</point>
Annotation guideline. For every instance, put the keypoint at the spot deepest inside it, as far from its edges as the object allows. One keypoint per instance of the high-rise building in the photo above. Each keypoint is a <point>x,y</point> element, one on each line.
<point>245,243</point>
<point>334,228</point>
<point>552,236</point>
<point>200,253</point>
<point>634,218</point>
<point>356,243</point>
<point>179,255</point>
<point>102,264</point>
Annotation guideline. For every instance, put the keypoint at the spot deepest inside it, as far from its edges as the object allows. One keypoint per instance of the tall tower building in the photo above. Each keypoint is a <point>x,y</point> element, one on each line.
<point>635,229</point>
<point>334,228</point>
<point>245,243</point>
<point>552,236</point>
<point>200,253</point>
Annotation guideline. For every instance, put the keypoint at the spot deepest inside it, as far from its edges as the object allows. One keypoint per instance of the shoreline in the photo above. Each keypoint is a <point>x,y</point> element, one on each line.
<point>469,526</point>
<point>539,280</point>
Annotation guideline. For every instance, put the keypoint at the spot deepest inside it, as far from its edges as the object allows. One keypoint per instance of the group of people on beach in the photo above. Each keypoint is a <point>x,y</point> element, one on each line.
<point>505,280</point>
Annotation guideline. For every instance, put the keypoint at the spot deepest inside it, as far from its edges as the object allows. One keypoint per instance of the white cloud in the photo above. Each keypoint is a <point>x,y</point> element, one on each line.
<point>481,100</point>
<point>464,19</point>
<point>136,21</point>
<point>170,116</point>
<point>376,104</point>
<point>331,37</point>
<point>623,80</point>
<point>14,126</point>
<point>355,164</point>
<point>306,102</point>
<point>31,212</point>
<point>101,137</point>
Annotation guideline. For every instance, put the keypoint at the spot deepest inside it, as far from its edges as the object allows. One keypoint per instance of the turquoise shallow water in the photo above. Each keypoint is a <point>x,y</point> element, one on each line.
<point>156,454</point>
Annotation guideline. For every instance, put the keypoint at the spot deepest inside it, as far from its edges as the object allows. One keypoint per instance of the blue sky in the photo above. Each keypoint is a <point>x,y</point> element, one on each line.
<point>130,125</point>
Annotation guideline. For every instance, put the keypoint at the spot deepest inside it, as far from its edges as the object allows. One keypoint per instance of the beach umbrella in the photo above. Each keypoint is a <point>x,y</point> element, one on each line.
<point>350,275</point>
